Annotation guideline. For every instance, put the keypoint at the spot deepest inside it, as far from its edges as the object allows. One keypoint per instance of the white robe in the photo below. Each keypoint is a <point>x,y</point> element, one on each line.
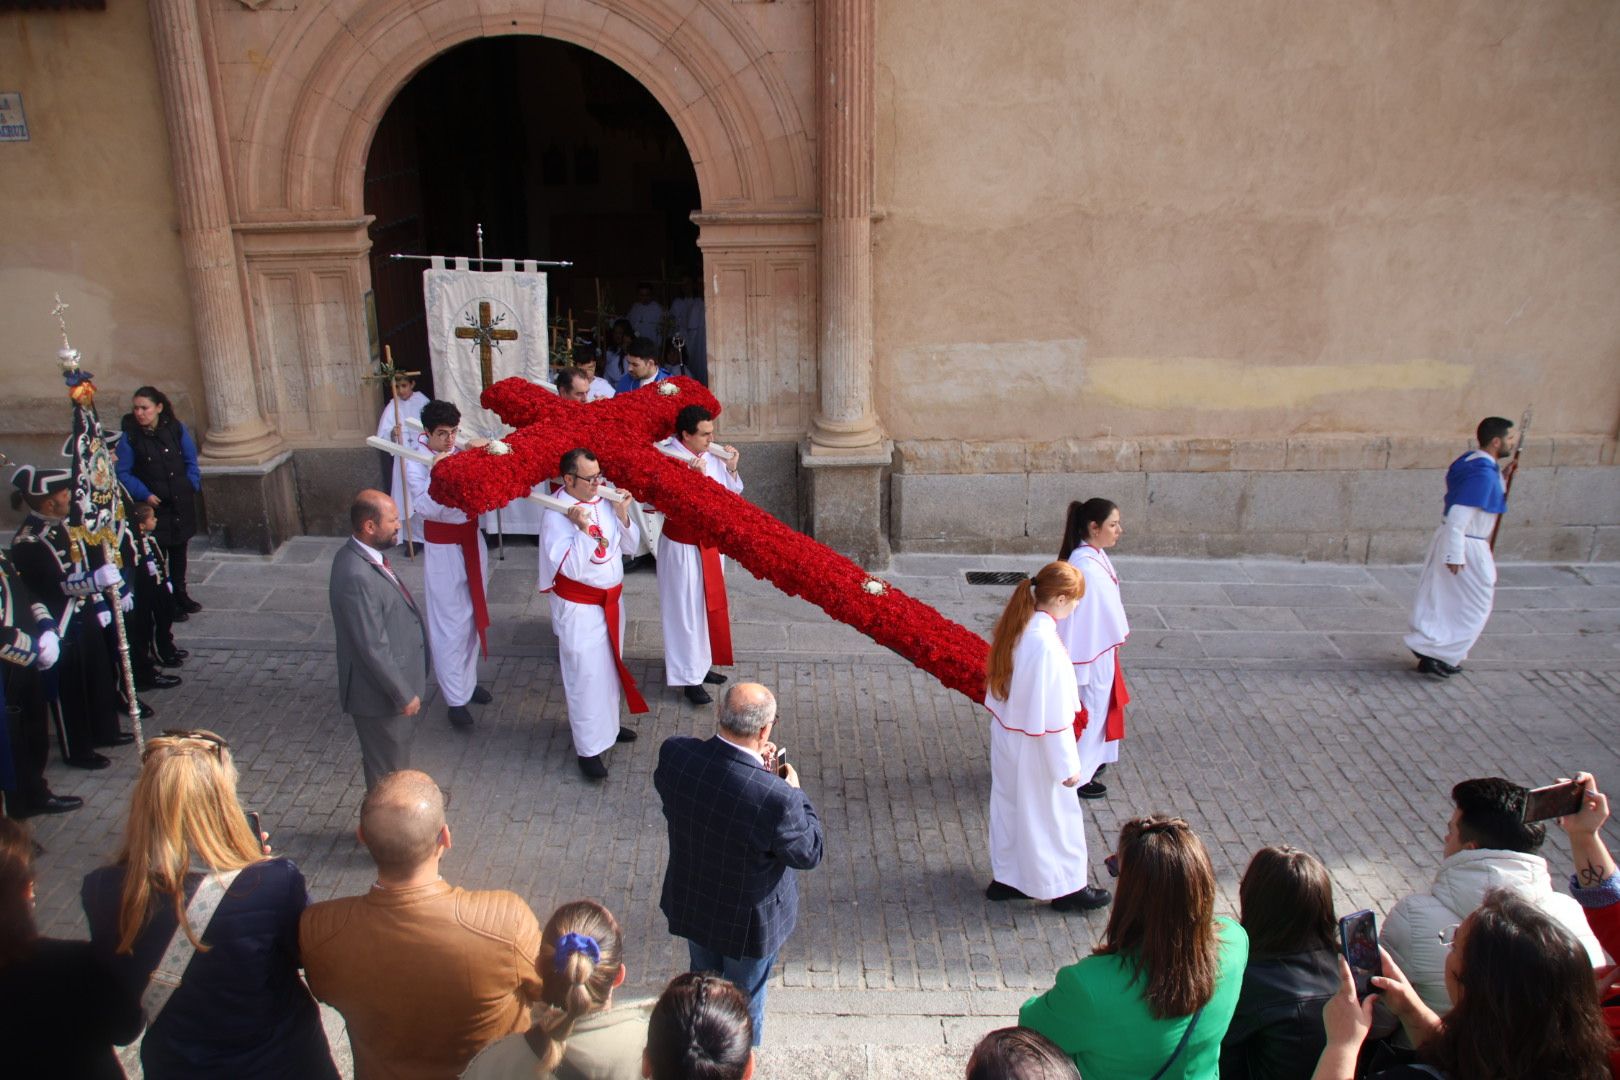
<point>452,629</point>
<point>407,437</point>
<point>687,657</point>
<point>647,320</point>
<point>590,676</point>
<point>1093,635</point>
<point>1037,829</point>
<point>1450,610</point>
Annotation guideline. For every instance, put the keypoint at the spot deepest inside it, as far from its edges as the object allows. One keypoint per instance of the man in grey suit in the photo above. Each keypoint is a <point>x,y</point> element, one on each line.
<point>382,652</point>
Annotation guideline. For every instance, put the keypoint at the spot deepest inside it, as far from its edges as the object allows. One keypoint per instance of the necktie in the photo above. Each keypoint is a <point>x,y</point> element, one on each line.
<point>389,570</point>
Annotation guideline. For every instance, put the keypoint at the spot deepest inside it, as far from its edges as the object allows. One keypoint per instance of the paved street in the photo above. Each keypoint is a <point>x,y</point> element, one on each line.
<point>1273,703</point>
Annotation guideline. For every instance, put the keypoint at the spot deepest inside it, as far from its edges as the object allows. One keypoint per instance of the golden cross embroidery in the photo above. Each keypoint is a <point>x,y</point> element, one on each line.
<point>486,332</point>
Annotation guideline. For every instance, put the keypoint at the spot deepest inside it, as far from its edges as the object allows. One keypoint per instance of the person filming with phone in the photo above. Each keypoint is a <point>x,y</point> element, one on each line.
<point>1488,845</point>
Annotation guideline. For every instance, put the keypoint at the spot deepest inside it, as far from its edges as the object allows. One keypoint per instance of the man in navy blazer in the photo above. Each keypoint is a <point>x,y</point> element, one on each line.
<point>738,829</point>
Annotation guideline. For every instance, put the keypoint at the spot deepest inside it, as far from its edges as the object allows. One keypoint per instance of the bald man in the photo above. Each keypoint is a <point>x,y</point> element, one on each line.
<point>425,974</point>
<point>382,650</point>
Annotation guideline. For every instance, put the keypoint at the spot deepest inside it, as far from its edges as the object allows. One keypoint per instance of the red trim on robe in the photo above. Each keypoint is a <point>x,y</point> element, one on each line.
<point>714,592</point>
<point>577,592</point>
<point>465,536</point>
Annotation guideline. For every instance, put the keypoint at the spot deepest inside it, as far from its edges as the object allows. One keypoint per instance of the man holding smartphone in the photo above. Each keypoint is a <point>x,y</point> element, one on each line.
<point>734,819</point>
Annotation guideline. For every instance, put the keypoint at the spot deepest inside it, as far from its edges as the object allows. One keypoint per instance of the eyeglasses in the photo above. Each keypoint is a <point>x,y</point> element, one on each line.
<point>214,744</point>
<point>592,480</point>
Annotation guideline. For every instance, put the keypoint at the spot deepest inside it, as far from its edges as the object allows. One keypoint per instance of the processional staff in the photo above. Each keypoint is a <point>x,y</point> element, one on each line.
<point>1512,471</point>
<point>386,370</point>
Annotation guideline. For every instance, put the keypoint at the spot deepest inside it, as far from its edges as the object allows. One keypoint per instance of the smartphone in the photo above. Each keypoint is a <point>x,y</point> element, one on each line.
<point>253,823</point>
<point>1554,800</point>
<point>781,762</point>
<point>1358,938</point>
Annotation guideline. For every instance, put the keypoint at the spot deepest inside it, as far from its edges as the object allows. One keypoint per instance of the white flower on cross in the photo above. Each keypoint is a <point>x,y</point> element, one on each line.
<point>498,448</point>
<point>874,587</point>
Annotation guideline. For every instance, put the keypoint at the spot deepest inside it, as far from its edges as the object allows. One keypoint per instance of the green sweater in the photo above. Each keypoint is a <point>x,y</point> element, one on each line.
<point>1096,1015</point>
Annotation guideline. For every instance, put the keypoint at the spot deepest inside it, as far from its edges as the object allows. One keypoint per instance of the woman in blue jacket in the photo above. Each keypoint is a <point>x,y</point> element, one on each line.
<point>157,464</point>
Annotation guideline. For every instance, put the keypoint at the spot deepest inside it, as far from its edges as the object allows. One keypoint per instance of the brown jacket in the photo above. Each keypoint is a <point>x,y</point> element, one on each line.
<point>424,977</point>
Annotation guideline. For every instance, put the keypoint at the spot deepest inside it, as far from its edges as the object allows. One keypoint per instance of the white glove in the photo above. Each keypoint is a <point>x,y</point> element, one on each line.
<point>49,648</point>
<point>107,577</point>
<point>126,603</point>
<point>104,617</point>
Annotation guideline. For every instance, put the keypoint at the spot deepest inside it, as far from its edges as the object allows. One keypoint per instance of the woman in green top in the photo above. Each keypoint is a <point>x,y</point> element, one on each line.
<point>1153,1000</point>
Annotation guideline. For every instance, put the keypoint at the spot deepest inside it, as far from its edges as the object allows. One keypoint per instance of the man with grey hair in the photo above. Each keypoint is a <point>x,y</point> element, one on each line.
<point>739,826</point>
<point>425,974</point>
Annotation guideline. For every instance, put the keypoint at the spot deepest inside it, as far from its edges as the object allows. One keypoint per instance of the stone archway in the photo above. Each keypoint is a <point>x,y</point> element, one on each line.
<point>321,84</point>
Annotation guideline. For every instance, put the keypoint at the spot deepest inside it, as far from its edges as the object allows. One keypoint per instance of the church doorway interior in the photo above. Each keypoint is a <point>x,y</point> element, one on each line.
<point>560,154</point>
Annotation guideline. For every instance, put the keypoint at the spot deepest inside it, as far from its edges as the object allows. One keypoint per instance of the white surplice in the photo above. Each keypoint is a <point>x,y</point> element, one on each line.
<point>1093,635</point>
<point>687,657</point>
<point>590,676</point>
<point>412,410</point>
<point>452,629</point>
<point>1450,610</point>
<point>1037,829</point>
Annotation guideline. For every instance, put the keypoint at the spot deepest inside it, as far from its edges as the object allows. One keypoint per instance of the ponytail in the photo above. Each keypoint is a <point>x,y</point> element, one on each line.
<point>580,962</point>
<point>1081,518</point>
<point>1056,579</point>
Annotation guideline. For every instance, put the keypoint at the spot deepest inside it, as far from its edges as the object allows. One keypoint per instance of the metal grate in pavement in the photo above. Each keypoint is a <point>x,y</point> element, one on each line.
<point>994,577</point>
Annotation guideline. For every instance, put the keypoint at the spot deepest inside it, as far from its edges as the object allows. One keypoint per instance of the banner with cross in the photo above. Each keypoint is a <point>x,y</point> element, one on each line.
<point>484,327</point>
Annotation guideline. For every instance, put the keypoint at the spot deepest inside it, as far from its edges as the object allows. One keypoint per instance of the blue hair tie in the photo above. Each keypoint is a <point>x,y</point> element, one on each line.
<point>569,944</point>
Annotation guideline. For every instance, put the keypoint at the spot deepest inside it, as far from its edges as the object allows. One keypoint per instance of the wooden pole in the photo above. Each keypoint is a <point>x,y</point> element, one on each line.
<point>109,557</point>
<point>404,478</point>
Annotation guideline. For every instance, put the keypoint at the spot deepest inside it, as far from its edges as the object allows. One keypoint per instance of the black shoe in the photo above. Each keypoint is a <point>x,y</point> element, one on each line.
<point>1100,770</point>
<point>481,696</point>
<point>714,678</point>
<point>626,735</point>
<point>187,605</point>
<point>997,891</point>
<point>1093,790</point>
<point>1428,665</point>
<point>54,804</point>
<point>697,695</point>
<point>172,659</point>
<point>180,616</point>
<point>460,717</point>
<point>159,681</point>
<point>91,761</point>
<point>1089,898</point>
<point>593,768</point>
<point>147,712</point>
<point>1447,669</point>
<point>123,738</point>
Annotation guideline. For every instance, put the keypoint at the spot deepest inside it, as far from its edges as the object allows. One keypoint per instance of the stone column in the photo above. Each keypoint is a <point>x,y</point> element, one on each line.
<point>237,431</point>
<point>847,459</point>
<point>247,473</point>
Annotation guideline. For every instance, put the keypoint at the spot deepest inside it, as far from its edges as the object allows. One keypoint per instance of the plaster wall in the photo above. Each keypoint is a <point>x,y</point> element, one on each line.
<point>1250,220</point>
<point>87,210</point>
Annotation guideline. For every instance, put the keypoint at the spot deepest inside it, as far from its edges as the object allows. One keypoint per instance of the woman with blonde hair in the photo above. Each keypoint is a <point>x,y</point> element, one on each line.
<point>202,926</point>
<point>577,1032</point>
<point>1037,829</point>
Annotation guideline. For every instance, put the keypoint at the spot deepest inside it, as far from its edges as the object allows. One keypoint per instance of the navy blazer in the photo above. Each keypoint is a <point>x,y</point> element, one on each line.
<point>737,833</point>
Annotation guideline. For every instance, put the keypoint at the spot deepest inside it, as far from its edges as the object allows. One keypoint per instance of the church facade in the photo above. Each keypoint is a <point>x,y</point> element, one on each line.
<point>1252,270</point>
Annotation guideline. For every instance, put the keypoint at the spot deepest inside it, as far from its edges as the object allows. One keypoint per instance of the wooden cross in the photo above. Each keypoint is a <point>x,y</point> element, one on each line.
<point>485,331</point>
<point>621,432</point>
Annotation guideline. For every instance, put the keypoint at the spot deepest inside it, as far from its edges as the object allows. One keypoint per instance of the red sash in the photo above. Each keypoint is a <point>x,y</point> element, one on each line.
<point>714,592</point>
<point>1119,696</point>
<point>576,592</point>
<point>465,536</point>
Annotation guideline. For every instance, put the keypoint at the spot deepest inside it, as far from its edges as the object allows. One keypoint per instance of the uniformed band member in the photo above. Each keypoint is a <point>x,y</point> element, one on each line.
<point>150,627</point>
<point>84,684</point>
<point>29,646</point>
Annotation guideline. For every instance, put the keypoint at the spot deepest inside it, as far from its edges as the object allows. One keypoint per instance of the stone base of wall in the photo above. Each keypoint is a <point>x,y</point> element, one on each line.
<point>1325,498</point>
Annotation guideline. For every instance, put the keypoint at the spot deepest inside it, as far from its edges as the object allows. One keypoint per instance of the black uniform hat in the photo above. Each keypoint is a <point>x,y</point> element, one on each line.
<point>38,483</point>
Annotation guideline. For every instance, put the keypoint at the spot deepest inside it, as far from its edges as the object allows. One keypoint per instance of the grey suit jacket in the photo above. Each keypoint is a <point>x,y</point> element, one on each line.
<point>382,650</point>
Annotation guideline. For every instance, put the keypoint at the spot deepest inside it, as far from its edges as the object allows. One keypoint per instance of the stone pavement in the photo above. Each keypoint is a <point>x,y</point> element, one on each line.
<point>1273,703</point>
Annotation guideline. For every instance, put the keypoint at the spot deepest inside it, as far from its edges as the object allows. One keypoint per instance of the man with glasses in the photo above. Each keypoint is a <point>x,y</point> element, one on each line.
<point>581,569</point>
<point>455,572</point>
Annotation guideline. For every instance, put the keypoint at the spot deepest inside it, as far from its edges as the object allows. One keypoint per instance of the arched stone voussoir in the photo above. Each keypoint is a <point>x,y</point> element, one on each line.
<point>333,73</point>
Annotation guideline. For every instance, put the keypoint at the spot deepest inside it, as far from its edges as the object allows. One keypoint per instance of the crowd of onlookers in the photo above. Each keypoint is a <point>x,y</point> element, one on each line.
<point>207,943</point>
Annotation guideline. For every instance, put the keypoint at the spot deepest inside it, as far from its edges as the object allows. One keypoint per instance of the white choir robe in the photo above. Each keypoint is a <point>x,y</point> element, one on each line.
<point>1093,635</point>
<point>590,676</point>
<point>385,430</point>
<point>687,657</point>
<point>647,320</point>
<point>1450,610</point>
<point>451,627</point>
<point>1037,828</point>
